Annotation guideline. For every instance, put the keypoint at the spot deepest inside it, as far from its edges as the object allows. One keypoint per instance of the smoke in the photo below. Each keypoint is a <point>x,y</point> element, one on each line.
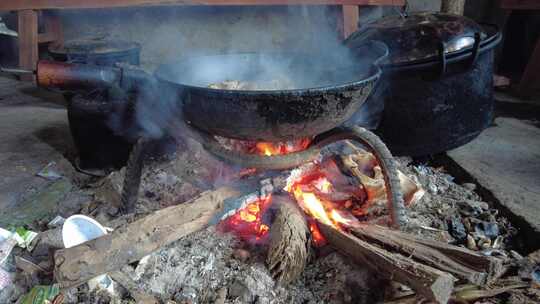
<point>298,46</point>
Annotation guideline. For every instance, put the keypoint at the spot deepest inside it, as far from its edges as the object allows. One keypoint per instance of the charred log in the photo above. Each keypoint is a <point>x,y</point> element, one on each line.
<point>289,242</point>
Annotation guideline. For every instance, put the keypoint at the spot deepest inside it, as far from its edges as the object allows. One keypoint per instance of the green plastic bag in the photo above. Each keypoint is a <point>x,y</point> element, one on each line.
<point>41,294</point>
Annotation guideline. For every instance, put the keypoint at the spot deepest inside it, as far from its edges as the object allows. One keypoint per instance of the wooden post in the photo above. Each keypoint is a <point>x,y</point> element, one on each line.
<point>350,19</point>
<point>28,41</point>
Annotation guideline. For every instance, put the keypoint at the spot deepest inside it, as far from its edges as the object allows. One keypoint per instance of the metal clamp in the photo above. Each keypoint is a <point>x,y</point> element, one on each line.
<point>442,58</point>
<point>476,48</point>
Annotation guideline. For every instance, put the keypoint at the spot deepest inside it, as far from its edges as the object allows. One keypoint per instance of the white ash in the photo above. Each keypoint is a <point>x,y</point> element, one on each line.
<point>196,268</point>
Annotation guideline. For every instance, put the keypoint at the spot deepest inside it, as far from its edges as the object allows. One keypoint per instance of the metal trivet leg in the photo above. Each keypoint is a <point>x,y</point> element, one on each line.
<point>132,178</point>
<point>278,162</point>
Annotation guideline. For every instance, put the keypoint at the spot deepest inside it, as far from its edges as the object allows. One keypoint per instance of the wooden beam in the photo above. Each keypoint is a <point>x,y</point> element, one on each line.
<point>46,37</point>
<point>520,4</point>
<point>350,19</point>
<point>14,5</point>
<point>28,41</point>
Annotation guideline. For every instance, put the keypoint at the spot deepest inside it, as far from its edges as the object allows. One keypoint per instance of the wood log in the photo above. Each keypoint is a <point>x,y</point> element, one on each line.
<point>431,283</point>
<point>131,242</point>
<point>289,241</point>
<point>460,262</point>
<point>453,6</point>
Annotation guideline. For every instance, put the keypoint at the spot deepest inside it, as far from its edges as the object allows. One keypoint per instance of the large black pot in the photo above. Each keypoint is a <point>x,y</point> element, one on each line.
<point>436,83</point>
<point>97,121</point>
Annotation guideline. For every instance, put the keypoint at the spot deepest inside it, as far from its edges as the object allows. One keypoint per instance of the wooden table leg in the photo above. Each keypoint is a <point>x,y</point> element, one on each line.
<point>28,41</point>
<point>531,76</point>
<point>350,19</point>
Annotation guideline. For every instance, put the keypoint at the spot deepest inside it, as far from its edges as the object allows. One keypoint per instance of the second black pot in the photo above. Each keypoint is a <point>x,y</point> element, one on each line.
<point>437,92</point>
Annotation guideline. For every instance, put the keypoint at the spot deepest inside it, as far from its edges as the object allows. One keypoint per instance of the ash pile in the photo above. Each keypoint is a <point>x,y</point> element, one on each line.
<point>256,255</point>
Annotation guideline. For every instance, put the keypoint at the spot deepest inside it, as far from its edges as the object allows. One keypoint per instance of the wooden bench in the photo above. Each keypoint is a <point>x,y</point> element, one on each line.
<point>29,10</point>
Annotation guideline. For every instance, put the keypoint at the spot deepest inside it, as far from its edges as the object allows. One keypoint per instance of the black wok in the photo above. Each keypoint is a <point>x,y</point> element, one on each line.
<point>321,92</point>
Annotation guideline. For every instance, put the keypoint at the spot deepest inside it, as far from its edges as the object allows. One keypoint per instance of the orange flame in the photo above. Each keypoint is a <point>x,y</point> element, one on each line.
<point>312,192</point>
<point>322,210</point>
<point>280,148</point>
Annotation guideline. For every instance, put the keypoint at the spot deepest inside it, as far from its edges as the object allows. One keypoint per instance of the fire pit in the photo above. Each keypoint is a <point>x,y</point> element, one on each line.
<point>322,92</point>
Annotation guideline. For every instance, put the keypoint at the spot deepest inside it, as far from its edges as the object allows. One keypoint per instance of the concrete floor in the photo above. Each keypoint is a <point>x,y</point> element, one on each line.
<point>505,158</point>
<point>34,131</point>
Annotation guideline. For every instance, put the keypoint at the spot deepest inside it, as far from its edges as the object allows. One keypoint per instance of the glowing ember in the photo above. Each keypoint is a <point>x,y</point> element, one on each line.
<point>317,237</point>
<point>247,223</point>
<point>323,185</point>
<point>323,192</point>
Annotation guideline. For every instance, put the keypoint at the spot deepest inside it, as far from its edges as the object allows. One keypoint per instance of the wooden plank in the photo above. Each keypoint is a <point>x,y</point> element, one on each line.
<point>530,79</point>
<point>46,37</point>
<point>28,41</point>
<point>74,4</point>
<point>350,19</point>
<point>520,4</point>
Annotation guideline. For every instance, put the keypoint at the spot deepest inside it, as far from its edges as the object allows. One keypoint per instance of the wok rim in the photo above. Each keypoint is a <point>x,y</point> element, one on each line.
<point>374,72</point>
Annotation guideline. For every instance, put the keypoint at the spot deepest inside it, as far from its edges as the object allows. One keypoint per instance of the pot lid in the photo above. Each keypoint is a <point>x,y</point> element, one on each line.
<point>420,35</point>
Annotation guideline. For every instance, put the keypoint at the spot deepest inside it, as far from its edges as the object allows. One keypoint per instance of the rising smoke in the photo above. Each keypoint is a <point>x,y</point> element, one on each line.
<point>310,51</point>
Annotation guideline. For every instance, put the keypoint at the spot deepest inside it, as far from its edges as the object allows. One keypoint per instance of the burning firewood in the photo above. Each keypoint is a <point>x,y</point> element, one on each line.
<point>289,242</point>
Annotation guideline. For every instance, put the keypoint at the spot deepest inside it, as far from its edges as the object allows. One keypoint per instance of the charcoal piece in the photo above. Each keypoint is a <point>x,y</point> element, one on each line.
<point>487,229</point>
<point>457,229</point>
<point>535,274</point>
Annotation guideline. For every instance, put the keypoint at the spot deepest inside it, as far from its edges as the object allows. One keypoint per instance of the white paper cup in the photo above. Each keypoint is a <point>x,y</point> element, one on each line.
<point>78,229</point>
